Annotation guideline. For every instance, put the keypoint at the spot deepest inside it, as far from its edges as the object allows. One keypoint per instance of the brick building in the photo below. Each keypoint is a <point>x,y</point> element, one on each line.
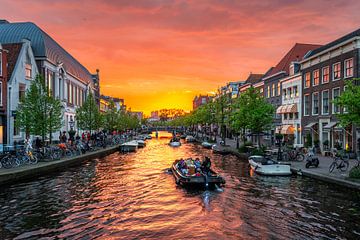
<point>200,100</point>
<point>3,95</point>
<point>324,72</point>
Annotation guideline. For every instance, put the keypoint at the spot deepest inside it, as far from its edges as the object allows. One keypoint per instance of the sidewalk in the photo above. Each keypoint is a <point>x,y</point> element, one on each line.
<point>320,173</point>
<point>42,168</point>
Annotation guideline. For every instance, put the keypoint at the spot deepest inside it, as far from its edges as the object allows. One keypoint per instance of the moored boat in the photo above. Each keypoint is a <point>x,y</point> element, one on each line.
<point>265,166</point>
<point>141,143</point>
<point>189,138</point>
<point>221,149</point>
<point>192,179</point>
<point>175,143</point>
<point>207,145</point>
<point>129,146</point>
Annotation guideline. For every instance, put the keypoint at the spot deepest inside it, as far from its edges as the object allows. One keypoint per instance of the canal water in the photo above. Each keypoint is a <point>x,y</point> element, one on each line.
<point>131,196</point>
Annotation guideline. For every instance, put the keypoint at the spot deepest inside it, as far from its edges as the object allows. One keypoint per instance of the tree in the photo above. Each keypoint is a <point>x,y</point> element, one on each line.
<point>221,106</point>
<point>252,112</point>
<point>350,101</point>
<point>110,117</point>
<point>88,115</point>
<point>39,112</point>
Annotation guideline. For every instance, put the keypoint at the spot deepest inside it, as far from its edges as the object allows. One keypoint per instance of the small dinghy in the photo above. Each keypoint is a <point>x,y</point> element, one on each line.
<point>266,166</point>
<point>189,178</point>
<point>175,142</point>
<point>129,146</point>
<point>207,145</point>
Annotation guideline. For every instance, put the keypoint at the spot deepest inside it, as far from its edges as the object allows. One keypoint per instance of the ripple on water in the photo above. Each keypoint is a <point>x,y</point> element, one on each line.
<point>130,196</point>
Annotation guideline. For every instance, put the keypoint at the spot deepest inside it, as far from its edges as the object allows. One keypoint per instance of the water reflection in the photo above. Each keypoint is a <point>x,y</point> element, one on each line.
<point>129,196</point>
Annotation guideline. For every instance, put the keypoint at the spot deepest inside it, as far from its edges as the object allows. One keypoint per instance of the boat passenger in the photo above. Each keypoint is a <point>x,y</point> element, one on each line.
<point>206,165</point>
<point>197,163</point>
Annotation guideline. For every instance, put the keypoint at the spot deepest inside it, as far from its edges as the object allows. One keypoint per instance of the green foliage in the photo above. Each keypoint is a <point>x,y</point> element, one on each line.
<point>258,151</point>
<point>350,100</point>
<point>110,117</point>
<point>355,172</point>
<point>88,115</point>
<point>252,112</point>
<point>308,142</point>
<point>39,112</point>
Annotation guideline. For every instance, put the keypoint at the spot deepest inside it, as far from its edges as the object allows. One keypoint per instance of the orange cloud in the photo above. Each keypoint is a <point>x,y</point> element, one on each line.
<point>161,53</point>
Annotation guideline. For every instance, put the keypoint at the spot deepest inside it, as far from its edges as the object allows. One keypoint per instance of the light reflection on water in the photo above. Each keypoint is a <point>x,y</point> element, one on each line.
<point>130,196</point>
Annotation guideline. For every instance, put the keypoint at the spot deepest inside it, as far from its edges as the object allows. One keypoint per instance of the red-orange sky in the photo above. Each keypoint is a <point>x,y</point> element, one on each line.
<point>160,53</point>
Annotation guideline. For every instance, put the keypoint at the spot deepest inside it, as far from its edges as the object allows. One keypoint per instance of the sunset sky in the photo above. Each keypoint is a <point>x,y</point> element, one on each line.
<point>161,53</point>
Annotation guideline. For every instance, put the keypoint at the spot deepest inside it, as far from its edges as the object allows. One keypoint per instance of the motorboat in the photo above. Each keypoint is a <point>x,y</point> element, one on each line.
<point>148,137</point>
<point>141,143</point>
<point>129,146</point>
<point>192,179</point>
<point>266,166</point>
<point>221,149</point>
<point>189,138</point>
<point>175,142</point>
<point>207,145</point>
<point>183,136</point>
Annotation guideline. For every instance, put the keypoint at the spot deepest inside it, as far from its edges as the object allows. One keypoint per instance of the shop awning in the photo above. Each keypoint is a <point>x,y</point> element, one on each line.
<point>330,125</point>
<point>279,110</point>
<point>287,129</point>
<point>293,108</point>
<point>278,129</point>
<point>310,125</point>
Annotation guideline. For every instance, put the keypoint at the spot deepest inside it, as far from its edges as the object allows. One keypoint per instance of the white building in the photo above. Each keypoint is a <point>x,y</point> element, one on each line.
<point>22,70</point>
<point>290,109</point>
<point>65,77</point>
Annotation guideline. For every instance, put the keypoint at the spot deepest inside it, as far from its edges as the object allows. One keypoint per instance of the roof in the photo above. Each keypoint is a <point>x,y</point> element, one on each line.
<point>43,46</point>
<point>254,78</point>
<point>296,53</point>
<point>12,56</point>
<point>355,33</point>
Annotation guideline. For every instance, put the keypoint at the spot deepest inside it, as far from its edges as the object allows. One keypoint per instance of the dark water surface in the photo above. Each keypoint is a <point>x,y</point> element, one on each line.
<point>130,196</point>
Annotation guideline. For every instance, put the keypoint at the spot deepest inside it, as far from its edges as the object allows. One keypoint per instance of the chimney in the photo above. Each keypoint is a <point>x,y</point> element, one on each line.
<point>3,21</point>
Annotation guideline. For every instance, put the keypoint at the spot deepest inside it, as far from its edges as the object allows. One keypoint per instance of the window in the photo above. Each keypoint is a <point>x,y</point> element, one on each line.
<point>296,115</point>
<point>0,63</point>
<point>22,90</point>
<point>325,74</point>
<point>28,70</point>
<point>70,94</point>
<point>296,91</point>
<point>291,116</point>
<point>285,116</point>
<point>278,89</point>
<point>291,93</point>
<point>336,71</point>
<point>50,83</point>
<point>349,67</point>
<point>268,92</point>
<point>306,105</point>
<point>315,104</point>
<point>325,102</point>
<point>284,94</point>
<point>336,94</point>
<point>316,77</point>
<point>68,91</point>
<point>307,80</point>
<point>16,129</point>
<point>273,90</point>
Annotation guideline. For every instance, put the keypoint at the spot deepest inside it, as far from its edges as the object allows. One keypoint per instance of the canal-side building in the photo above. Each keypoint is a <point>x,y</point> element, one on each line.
<point>3,95</point>
<point>66,78</point>
<point>22,70</point>
<point>324,72</point>
<point>200,100</point>
<point>253,80</point>
<point>290,110</point>
<point>272,81</point>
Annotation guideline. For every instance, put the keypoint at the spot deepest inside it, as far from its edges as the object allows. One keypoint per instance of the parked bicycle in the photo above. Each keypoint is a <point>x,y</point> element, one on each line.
<point>340,161</point>
<point>293,155</point>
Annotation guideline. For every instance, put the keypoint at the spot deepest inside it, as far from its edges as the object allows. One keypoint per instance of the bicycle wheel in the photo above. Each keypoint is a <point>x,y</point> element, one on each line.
<point>332,167</point>
<point>6,162</point>
<point>344,165</point>
<point>300,157</point>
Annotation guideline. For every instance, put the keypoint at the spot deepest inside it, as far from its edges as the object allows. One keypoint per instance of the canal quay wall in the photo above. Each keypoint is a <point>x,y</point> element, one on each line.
<point>43,168</point>
<point>298,168</point>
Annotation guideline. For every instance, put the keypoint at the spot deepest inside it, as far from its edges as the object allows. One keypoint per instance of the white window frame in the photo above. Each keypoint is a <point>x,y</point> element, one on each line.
<point>305,80</point>
<point>322,74</point>
<point>332,97</point>
<point>312,103</point>
<point>305,104</point>
<point>345,76</point>
<point>322,102</point>
<point>313,77</point>
<point>333,77</point>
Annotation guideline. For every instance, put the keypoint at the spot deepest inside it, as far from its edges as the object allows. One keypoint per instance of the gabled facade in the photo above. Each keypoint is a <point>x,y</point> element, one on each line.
<point>272,82</point>
<point>324,72</point>
<point>200,100</point>
<point>22,70</point>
